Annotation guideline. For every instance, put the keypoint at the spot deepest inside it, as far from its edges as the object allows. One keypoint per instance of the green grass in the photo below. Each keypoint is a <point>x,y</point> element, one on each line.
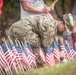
<point>60,69</point>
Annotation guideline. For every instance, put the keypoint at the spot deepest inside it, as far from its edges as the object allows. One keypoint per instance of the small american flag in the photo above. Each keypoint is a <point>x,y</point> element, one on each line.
<point>2,58</point>
<point>30,50</point>
<point>6,52</point>
<point>49,15</point>
<point>71,54</point>
<point>62,47</point>
<point>8,56</point>
<point>31,54</point>
<point>49,56</point>
<point>75,52</point>
<point>55,51</point>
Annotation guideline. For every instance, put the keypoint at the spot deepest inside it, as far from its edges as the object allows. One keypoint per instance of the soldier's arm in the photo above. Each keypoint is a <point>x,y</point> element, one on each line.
<point>28,7</point>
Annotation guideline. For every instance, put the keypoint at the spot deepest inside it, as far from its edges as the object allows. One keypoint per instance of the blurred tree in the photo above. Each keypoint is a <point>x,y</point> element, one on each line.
<point>70,5</point>
<point>10,12</point>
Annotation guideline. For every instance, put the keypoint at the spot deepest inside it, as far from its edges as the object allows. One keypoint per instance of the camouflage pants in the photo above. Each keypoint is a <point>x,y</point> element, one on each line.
<point>37,30</point>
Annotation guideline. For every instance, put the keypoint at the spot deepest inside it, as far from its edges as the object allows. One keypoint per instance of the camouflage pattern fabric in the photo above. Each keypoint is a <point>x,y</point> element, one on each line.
<point>39,29</point>
<point>68,18</point>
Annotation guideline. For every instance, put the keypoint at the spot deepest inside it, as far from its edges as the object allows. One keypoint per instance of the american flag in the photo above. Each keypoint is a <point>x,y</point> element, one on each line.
<point>9,56</point>
<point>30,50</point>
<point>31,54</point>
<point>13,53</point>
<point>49,15</point>
<point>2,58</point>
<point>62,47</point>
<point>71,54</point>
<point>14,56</point>
<point>25,48</point>
<point>6,63</point>
<point>49,56</point>
<point>6,52</point>
<point>75,52</point>
<point>41,54</point>
<point>55,51</point>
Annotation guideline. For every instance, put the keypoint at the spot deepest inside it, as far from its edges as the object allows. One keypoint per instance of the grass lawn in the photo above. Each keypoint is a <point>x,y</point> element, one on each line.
<point>68,68</point>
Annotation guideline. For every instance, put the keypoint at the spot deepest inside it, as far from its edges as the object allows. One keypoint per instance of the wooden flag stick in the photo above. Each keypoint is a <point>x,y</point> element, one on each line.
<point>55,1</point>
<point>8,70</point>
<point>1,71</point>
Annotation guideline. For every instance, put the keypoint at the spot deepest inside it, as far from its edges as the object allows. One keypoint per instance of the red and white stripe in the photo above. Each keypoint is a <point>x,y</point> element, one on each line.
<point>31,57</point>
<point>49,15</point>
<point>56,54</point>
<point>21,57</point>
<point>2,58</point>
<point>50,59</point>
<point>8,57</point>
<point>74,56</point>
<point>71,54</point>
<point>64,50</point>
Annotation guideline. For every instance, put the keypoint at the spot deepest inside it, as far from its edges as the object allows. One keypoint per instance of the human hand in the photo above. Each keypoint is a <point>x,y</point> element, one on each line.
<point>48,9</point>
<point>45,9</point>
<point>52,6</point>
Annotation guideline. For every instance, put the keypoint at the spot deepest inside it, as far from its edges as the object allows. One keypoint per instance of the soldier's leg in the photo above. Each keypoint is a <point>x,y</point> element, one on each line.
<point>21,30</point>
